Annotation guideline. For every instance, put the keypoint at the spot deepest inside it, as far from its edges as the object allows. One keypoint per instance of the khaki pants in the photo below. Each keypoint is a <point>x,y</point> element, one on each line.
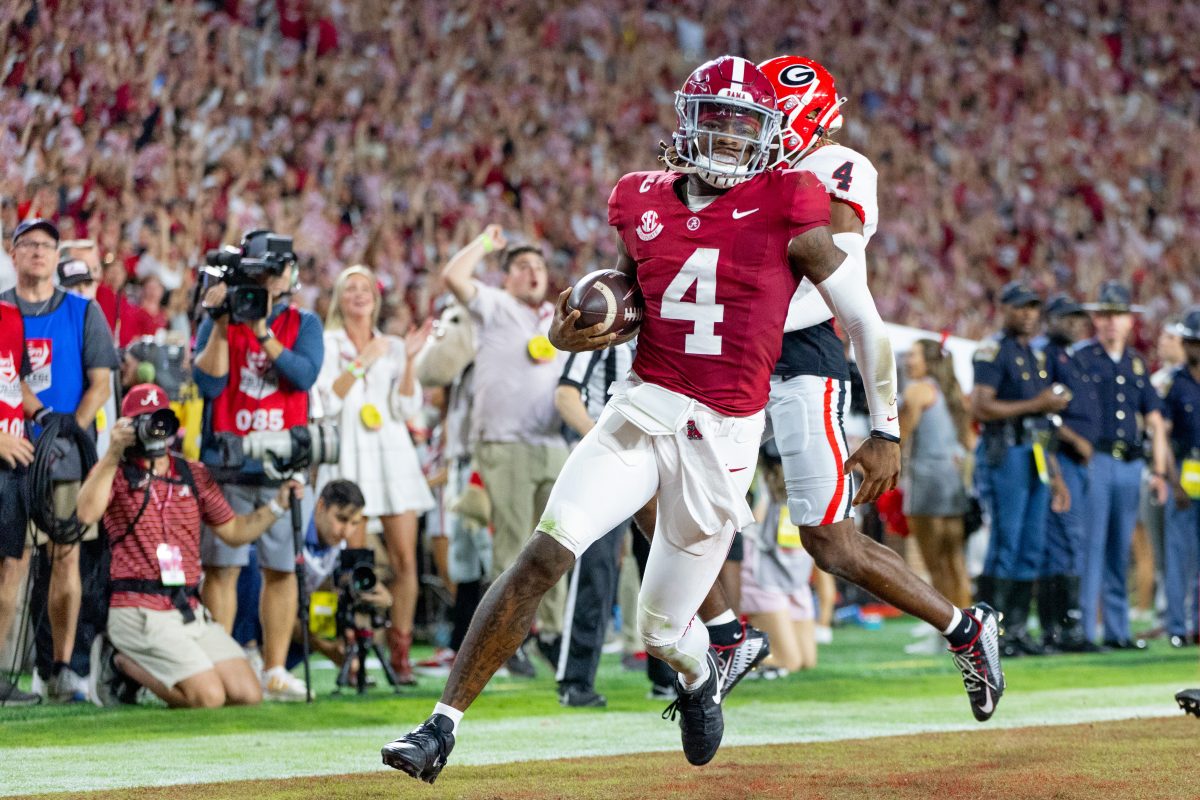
<point>518,478</point>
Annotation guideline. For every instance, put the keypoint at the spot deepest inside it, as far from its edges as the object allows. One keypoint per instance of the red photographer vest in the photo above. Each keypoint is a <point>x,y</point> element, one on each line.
<point>12,347</point>
<point>257,397</point>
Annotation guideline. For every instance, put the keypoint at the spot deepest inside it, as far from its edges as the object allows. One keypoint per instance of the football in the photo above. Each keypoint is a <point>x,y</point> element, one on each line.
<point>609,297</point>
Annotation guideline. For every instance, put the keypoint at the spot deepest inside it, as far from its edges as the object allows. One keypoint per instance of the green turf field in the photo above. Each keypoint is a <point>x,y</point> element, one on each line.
<point>866,686</point>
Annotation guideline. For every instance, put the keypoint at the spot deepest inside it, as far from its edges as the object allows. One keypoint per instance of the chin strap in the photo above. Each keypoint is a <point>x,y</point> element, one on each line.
<point>669,156</point>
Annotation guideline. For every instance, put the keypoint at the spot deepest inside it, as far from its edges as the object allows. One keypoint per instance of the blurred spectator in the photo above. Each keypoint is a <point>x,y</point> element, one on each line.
<point>256,377</point>
<point>71,359</point>
<point>153,504</point>
<point>516,430</point>
<point>776,570</point>
<point>938,436</point>
<point>367,383</point>
<point>226,121</point>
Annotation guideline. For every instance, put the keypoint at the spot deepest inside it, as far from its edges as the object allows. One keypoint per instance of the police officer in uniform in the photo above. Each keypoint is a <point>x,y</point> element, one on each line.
<point>1181,564</point>
<point>1129,408</point>
<point>1058,587</point>
<point>1015,472</point>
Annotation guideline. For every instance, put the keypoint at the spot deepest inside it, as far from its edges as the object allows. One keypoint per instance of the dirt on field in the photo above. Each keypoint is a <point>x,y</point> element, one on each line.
<point>1154,759</point>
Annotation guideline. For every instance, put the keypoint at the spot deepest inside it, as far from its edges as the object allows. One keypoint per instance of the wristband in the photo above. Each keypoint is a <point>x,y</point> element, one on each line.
<point>356,369</point>
<point>275,508</point>
<point>887,437</point>
<point>488,245</point>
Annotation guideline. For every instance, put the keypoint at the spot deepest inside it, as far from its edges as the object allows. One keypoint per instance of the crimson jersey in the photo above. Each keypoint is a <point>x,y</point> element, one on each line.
<point>716,282</point>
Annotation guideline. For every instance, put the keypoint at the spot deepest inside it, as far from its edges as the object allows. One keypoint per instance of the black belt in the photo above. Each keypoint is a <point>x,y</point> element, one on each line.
<point>1119,449</point>
<point>179,595</point>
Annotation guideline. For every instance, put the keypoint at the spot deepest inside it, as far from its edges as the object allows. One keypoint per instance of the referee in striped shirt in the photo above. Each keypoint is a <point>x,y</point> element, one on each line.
<point>583,389</point>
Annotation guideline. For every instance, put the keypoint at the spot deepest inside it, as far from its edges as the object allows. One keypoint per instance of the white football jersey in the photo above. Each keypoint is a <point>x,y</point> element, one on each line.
<point>849,176</point>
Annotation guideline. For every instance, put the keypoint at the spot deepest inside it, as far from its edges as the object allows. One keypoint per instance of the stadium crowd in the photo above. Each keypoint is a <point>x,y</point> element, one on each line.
<point>1053,151</point>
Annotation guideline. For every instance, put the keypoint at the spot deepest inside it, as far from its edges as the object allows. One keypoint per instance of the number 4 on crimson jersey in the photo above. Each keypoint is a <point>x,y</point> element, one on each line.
<point>716,282</point>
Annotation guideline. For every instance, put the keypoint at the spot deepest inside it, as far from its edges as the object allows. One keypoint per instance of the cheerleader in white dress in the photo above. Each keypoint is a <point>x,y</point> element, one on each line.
<point>368,384</point>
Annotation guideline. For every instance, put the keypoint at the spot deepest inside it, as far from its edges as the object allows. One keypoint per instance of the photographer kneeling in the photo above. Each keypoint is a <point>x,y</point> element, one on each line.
<point>336,525</point>
<point>153,504</point>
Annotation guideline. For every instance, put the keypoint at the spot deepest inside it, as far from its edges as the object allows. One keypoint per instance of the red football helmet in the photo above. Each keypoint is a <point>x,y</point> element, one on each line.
<point>809,102</point>
<point>728,122</point>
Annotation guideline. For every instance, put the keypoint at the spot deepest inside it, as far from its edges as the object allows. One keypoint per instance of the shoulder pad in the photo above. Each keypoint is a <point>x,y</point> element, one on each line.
<point>988,350</point>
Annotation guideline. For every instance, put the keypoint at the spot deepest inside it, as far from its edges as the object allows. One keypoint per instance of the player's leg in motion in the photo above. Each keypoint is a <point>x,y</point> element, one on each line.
<point>610,475</point>
<point>806,413</point>
<point>682,566</point>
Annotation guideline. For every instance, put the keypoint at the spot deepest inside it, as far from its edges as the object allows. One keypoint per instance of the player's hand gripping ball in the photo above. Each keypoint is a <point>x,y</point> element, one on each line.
<point>610,298</point>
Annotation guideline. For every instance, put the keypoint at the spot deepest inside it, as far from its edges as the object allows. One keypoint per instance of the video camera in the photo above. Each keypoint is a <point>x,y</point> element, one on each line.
<point>354,576</point>
<point>282,453</point>
<point>242,269</point>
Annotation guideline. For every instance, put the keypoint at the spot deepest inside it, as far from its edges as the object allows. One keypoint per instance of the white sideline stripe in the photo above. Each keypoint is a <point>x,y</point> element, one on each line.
<point>267,755</point>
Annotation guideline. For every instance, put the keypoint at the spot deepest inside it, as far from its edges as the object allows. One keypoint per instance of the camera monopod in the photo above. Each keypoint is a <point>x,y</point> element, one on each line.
<point>302,587</point>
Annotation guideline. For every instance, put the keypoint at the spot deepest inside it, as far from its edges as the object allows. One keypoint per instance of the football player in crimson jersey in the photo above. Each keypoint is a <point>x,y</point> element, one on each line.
<point>718,243</point>
<point>810,389</point>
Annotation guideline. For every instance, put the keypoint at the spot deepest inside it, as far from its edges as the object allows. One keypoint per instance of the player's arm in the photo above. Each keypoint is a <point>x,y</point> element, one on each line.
<point>563,333</point>
<point>814,255</point>
<point>809,308</point>
<point>460,269</point>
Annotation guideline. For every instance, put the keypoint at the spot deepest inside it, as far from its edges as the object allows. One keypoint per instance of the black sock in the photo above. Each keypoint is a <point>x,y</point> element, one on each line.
<point>964,633</point>
<point>725,634</point>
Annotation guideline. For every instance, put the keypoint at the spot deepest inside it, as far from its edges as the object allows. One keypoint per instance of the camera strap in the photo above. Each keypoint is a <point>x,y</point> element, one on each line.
<point>135,475</point>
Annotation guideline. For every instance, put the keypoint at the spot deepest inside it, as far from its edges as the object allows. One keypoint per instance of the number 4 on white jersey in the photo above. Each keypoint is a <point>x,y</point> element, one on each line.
<point>705,312</point>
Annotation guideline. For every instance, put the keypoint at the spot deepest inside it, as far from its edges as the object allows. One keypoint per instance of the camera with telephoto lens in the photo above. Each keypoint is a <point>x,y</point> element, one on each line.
<point>354,577</point>
<point>242,269</point>
<point>282,453</point>
<point>154,432</point>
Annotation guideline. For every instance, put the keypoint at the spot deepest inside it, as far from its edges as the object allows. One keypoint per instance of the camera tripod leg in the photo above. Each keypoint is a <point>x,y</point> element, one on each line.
<point>387,667</point>
<point>343,678</point>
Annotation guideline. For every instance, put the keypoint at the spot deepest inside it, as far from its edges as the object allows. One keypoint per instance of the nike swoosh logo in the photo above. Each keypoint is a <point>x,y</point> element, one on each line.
<point>739,214</point>
<point>736,469</point>
<point>892,419</point>
<point>989,705</point>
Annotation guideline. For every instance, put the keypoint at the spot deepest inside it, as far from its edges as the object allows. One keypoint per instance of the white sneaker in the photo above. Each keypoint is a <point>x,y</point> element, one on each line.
<point>282,686</point>
<point>823,634</point>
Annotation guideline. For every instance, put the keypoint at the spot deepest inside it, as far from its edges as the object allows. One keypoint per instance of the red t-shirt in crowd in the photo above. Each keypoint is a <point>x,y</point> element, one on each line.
<point>172,517</point>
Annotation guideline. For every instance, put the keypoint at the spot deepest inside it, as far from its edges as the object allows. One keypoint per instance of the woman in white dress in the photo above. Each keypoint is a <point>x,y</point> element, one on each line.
<point>367,383</point>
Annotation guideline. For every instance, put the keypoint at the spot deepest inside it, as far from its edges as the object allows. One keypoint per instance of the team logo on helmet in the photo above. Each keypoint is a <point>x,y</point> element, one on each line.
<point>650,226</point>
<point>797,75</point>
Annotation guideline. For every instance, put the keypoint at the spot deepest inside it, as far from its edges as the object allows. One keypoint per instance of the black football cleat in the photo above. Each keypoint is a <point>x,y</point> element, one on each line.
<point>1189,701</point>
<point>700,719</point>
<point>979,662</point>
<point>422,752</point>
<point>738,660</point>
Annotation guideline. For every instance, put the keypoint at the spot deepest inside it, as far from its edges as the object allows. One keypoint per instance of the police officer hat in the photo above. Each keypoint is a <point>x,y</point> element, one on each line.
<point>1114,298</point>
<point>1189,326</point>
<point>1062,305</point>
<point>34,224</point>
<point>1017,293</point>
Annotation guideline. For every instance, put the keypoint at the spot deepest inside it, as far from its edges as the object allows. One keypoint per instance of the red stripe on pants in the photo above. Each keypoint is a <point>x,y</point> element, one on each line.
<point>830,436</point>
